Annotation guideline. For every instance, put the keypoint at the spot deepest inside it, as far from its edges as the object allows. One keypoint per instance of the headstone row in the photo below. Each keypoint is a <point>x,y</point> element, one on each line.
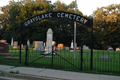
<point>4,47</point>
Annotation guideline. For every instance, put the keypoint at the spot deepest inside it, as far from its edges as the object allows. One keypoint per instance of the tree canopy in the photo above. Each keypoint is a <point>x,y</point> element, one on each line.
<point>21,11</point>
<point>106,24</point>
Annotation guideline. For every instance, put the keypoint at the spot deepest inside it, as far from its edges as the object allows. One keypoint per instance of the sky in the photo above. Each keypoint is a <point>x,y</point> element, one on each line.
<point>85,6</point>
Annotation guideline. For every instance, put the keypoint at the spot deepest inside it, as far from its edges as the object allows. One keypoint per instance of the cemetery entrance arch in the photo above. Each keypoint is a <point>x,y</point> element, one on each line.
<point>62,15</point>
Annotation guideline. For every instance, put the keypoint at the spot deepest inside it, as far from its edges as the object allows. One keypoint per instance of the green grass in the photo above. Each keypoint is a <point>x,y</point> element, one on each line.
<point>111,65</point>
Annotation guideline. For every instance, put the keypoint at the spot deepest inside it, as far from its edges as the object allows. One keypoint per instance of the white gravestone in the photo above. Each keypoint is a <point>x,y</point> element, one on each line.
<point>44,44</point>
<point>49,41</point>
<point>28,42</point>
<point>105,57</point>
<point>66,48</point>
<point>12,42</point>
<point>38,45</point>
<point>85,47</point>
<point>72,44</point>
<point>110,49</point>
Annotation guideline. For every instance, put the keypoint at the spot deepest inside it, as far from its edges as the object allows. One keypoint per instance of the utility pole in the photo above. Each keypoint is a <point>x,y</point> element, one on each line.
<point>75,31</point>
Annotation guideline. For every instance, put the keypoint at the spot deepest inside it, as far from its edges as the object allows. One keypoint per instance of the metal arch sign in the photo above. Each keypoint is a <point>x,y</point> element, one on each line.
<point>59,14</point>
<point>62,15</point>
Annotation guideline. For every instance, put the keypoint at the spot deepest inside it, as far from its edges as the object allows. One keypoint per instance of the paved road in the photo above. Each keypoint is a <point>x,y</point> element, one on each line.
<point>50,74</point>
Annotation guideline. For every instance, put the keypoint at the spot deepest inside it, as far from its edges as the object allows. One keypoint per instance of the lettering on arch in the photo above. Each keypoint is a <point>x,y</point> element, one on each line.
<point>59,14</point>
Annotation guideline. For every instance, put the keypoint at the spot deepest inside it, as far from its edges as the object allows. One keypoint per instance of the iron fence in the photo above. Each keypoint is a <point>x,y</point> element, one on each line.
<point>108,61</point>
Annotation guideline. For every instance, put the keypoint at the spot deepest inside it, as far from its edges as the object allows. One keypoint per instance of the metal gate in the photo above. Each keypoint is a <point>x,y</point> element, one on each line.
<point>57,59</point>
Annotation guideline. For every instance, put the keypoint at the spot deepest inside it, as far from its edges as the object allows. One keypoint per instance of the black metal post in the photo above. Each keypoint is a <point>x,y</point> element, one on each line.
<point>91,61</point>
<point>26,55</point>
<point>20,42</point>
<point>81,50</point>
<point>52,58</point>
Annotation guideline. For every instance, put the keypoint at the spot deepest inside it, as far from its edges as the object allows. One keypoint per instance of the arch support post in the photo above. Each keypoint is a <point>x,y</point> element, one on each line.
<point>91,60</point>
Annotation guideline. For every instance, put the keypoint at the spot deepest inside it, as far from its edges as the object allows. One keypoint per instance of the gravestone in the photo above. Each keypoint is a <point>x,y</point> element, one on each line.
<point>104,57</point>
<point>22,46</point>
<point>12,42</point>
<point>72,44</point>
<point>33,43</point>
<point>71,50</point>
<point>38,45</point>
<point>44,44</point>
<point>53,45</point>
<point>15,45</point>
<point>77,48</point>
<point>67,49</point>
<point>49,41</point>
<point>4,47</point>
<point>4,41</point>
<point>110,49</point>
<point>60,46</point>
<point>28,42</point>
<point>118,49</point>
<point>85,47</point>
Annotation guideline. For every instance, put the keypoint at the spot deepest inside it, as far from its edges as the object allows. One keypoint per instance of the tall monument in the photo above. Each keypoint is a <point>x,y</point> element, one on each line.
<point>49,41</point>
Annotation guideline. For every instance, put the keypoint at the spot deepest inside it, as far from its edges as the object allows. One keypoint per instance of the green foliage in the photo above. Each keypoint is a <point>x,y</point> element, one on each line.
<point>15,72</point>
<point>71,48</point>
<point>63,48</point>
<point>63,29</point>
<point>106,29</point>
<point>20,13</point>
<point>107,26</point>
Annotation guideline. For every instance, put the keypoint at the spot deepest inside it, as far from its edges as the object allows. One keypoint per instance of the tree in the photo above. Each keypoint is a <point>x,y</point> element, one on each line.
<point>65,28</point>
<point>62,28</point>
<point>107,21</point>
<point>19,13</point>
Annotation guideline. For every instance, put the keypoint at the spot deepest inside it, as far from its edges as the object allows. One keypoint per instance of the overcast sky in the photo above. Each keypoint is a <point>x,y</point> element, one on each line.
<point>85,6</point>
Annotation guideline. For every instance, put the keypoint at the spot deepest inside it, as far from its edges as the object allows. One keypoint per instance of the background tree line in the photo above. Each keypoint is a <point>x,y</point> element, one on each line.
<point>107,26</point>
<point>106,22</point>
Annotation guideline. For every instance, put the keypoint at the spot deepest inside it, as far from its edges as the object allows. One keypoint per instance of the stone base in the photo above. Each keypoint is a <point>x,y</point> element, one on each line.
<point>13,58</point>
<point>48,53</point>
<point>4,54</point>
<point>36,49</point>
